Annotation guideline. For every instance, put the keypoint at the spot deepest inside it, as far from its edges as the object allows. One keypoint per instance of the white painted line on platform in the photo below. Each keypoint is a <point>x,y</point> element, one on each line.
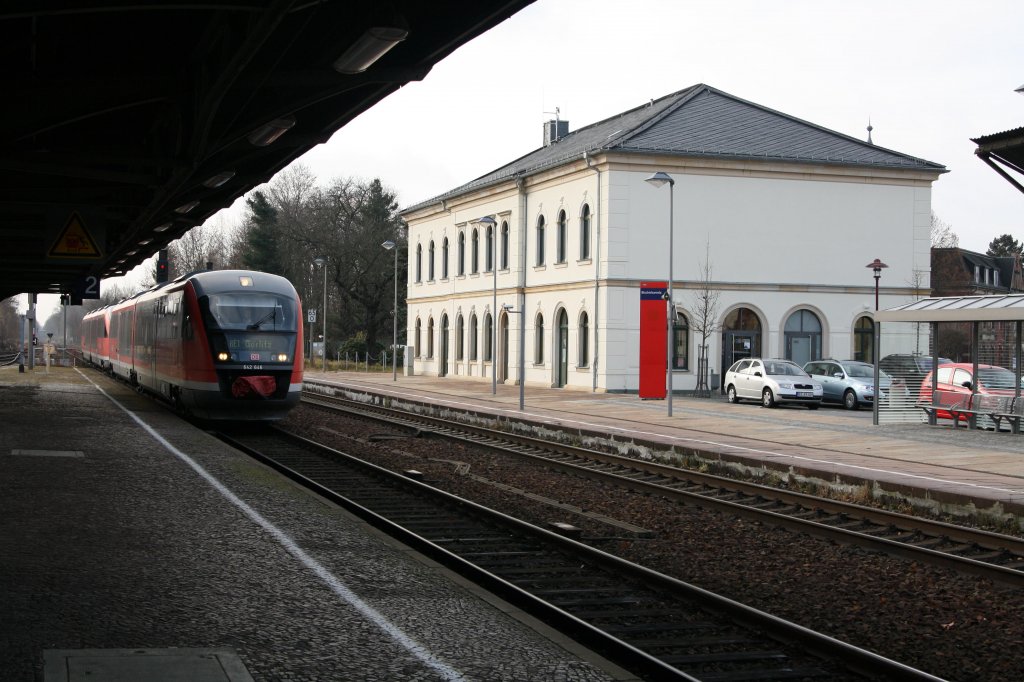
<point>682,440</point>
<point>336,585</point>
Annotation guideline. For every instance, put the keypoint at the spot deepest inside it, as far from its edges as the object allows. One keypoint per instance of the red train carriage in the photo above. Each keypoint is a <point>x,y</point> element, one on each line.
<point>220,344</point>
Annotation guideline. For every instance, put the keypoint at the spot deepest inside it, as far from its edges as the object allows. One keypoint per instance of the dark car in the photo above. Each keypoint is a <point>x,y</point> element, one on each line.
<point>908,368</point>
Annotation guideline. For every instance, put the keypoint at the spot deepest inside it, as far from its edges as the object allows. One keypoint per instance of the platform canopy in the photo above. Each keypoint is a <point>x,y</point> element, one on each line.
<point>1005,308</point>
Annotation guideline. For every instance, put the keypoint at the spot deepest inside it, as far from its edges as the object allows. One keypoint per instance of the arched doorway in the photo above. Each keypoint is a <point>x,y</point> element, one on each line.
<point>442,360</point>
<point>562,344</point>
<point>741,336</point>
<point>802,334</point>
<point>503,347</point>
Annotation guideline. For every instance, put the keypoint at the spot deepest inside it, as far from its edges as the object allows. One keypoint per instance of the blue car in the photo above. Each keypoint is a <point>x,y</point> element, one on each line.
<point>849,382</point>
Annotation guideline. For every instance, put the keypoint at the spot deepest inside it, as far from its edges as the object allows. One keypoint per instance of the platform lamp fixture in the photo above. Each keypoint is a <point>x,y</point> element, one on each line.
<point>321,262</point>
<point>489,223</point>
<point>391,246</point>
<point>876,266</point>
<point>658,180</point>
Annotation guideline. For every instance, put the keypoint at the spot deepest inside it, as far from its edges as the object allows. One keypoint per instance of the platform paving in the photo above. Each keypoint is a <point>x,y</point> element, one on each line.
<point>957,471</point>
<point>132,543</point>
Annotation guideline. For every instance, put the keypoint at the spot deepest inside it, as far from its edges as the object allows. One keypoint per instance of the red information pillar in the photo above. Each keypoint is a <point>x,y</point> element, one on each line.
<point>653,337</point>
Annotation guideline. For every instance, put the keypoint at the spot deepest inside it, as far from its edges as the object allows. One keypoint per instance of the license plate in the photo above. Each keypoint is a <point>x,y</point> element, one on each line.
<point>805,394</point>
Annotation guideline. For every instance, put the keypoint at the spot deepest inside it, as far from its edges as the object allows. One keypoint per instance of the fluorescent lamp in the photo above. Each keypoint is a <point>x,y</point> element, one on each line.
<point>185,208</point>
<point>162,228</point>
<point>268,132</point>
<point>218,179</point>
<point>370,47</point>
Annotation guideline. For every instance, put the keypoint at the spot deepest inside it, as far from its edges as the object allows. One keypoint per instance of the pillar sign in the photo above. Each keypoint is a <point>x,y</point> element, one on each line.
<point>653,340</point>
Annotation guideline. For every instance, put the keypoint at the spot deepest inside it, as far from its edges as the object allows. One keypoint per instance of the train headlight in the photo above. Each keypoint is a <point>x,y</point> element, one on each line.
<point>282,358</point>
<point>223,357</point>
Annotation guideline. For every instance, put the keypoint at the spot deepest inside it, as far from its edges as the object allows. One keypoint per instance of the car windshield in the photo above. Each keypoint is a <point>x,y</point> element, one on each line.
<point>783,369</point>
<point>863,371</point>
<point>252,312</point>
<point>996,377</point>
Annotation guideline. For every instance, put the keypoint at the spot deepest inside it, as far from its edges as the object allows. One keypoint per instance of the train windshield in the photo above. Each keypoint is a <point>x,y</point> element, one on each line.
<point>256,311</point>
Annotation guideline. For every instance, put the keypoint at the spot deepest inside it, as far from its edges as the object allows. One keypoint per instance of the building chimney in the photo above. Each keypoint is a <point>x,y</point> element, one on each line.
<point>554,131</point>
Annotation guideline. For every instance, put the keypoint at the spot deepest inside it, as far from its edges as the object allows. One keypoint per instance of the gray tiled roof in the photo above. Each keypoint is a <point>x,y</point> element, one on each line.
<point>702,121</point>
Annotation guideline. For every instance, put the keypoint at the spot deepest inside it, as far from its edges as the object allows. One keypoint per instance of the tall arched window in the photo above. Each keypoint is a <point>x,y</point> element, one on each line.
<point>538,340</point>
<point>460,338</point>
<point>462,253</point>
<point>444,259</point>
<point>472,338</point>
<point>864,339</point>
<point>416,339</point>
<point>430,262</point>
<point>585,232</point>
<point>489,256</point>
<point>563,238</point>
<point>504,245</point>
<point>487,340</point>
<point>803,337</point>
<point>474,259</point>
<point>681,342</point>
<point>540,240</point>
<point>430,337</point>
<point>583,339</point>
<point>419,262</point>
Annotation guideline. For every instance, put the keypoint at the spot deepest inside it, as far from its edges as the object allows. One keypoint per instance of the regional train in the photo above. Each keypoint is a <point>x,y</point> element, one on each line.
<point>224,344</point>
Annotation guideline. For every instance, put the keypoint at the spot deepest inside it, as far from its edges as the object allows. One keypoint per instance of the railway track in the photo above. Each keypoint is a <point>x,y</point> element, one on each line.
<point>656,626</point>
<point>994,556</point>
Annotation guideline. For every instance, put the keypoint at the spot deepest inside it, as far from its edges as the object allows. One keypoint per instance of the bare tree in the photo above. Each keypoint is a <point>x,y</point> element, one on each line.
<point>209,243</point>
<point>942,234</point>
<point>705,317</point>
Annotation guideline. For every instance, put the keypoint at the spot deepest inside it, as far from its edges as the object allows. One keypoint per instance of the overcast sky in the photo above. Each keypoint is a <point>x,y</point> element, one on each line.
<point>930,75</point>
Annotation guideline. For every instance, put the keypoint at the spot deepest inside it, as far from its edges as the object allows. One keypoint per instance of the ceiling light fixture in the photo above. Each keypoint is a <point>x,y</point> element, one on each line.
<point>218,179</point>
<point>371,46</point>
<point>185,208</point>
<point>162,228</point>
<point>267,133</point>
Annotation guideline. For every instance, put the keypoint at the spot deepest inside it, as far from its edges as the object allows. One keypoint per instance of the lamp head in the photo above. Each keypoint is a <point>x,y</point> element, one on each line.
<point>388,245</point>
<point>660,178</point>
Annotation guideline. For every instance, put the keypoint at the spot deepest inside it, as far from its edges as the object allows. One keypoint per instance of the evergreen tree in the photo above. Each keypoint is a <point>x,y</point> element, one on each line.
<point>1004,245</point>
<point>261,250</point>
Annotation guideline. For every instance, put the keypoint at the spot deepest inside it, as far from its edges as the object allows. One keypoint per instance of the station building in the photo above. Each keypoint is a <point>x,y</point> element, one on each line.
<point>773,220</point>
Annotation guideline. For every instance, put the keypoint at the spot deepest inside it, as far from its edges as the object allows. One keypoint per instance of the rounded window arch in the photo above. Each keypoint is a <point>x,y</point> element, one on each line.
<point>562,244</point>
<point>460,338</point>
<point>864,339</point>
<point>741,336</point>
<point>472,337</point>
<point>802,336</point>
<point>416,338</point>
<point>540,240</point>
<point>430,337</point>
<point>680,341</point>
<point>462,254</point>
<point>430,262</point>
<point>444,259</point>
<point>583,341</point>
<point>419,262</point>
<point>474,257</point>
<point>538,339</point>
<point>504,245</point>
<point>487,340</point>
<point>489,249</point>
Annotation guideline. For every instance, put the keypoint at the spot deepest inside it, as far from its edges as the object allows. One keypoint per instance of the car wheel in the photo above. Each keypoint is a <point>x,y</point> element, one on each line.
<point>730,394</point>
<point>767,398</point>
<point>850,400</point>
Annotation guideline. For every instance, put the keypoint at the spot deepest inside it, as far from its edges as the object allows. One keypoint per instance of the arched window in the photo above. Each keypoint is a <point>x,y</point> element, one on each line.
<point>681,342</point>
<point>430,337</point>
<point>803,337</point>
<point>583,339</point>
<point>416,339</point>
<point>460,338</point>
<point>488,345</point>
<point>462,253</point>
<point>444,259</point>
<point>419,262</point>
<point>489,257</point>
<point>538,340</point>
<point>585,232</point>
<point>474,261</point>
<point>563,238</point>
<point>864,339</point>
<point>472,338</point>
<point>504,245</point>
<point>430,262</point>
<point>540,240</point>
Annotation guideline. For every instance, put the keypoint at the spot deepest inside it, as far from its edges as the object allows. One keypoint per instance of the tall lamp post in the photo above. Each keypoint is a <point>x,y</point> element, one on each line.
<point>321,262</point>
<point>876,265</point>
<point>657,180</point>
<point>489,223</point>
<point>390,245</point>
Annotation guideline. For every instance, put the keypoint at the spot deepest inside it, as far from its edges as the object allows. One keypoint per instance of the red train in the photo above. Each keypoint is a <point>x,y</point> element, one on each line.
<point>223,344</point>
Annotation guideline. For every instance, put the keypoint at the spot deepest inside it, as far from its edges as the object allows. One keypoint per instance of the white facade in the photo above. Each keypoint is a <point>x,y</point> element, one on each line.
<point>780,238</point>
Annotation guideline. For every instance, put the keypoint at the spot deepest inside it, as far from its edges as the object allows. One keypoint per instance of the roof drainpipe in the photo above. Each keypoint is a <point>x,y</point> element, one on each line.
<point>521,187</point>
<point>597,271</point>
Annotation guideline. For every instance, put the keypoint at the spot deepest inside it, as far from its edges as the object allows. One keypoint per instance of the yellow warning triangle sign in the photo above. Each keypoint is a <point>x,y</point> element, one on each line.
<point>74,241</point>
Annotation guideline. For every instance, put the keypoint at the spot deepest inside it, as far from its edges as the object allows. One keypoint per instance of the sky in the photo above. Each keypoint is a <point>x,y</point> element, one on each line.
<point>928,74</point>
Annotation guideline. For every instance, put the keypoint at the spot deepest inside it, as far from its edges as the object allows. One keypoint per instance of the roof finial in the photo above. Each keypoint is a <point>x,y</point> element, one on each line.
<point>870,128</point>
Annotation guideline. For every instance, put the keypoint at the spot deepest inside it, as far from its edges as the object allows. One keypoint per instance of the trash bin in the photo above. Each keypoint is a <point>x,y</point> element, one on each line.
<point>716,381</point>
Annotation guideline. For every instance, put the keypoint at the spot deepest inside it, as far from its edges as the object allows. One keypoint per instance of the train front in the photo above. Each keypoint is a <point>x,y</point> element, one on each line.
<point>253,337</point>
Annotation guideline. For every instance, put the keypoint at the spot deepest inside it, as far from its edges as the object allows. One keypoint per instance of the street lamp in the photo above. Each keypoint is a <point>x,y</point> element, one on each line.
<point>490,222</point>
<point>657,180</point>
<point>522,343</point>
<point>389,245</point>
<point>876,265</point>
<point>321,262</point>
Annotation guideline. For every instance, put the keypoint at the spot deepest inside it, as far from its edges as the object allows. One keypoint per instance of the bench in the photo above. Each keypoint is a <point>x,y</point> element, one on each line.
<point>1013,415</point>
<point>982,406</point>
<point>954,409</point>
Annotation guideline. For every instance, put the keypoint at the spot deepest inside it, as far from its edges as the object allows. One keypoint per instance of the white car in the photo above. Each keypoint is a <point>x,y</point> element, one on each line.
<point>771,382</point>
